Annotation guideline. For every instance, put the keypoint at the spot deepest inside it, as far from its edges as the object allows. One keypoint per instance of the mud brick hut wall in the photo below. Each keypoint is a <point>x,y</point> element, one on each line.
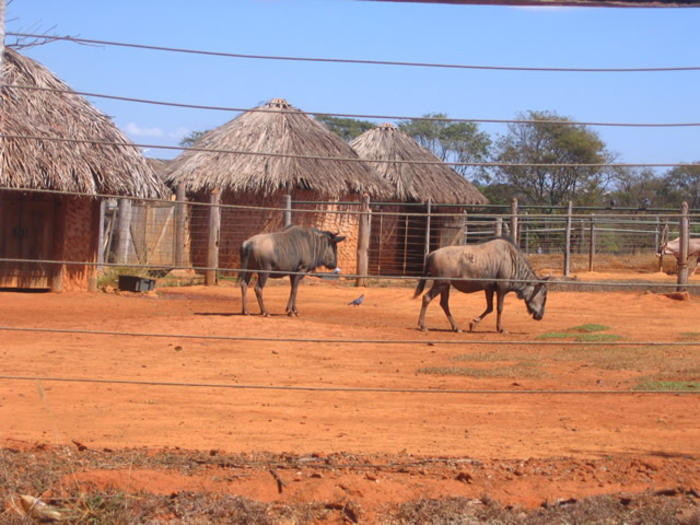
<point>244,216</point>
<point>397,243</point>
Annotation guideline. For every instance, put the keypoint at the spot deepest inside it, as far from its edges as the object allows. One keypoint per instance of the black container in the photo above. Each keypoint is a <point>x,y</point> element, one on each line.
<point>132,283</point>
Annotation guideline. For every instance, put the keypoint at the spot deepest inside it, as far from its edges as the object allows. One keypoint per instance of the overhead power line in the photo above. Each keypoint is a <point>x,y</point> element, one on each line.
<point>358,61</point>
<point>354,115</point>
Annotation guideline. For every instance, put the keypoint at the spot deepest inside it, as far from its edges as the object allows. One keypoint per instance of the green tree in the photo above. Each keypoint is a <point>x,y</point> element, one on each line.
<point>191,139</point>
<point>546,138</point>
<point>637,189</point>
<point>451,141</point>
<point>345,128</point>
<point>682,183</point>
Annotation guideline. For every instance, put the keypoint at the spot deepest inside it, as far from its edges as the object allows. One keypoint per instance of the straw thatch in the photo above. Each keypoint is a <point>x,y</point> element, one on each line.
<point>279,128</point>
<point>81,167</point>
<point>413,182</point>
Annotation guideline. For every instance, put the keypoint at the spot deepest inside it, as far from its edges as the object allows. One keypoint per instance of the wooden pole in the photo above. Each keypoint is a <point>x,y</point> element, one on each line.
<point>662,242</point>
<point>499,226</point>
<point>180,224</point>
<point>683,249</point>
<point>101,236</point>
<point>363,236</point>
<point>123,230</point>
<point>211,274</point>
<point>426,247</point>
<point>514,220</point>
<point>591,243</point>
<point>287,214</point>
<point>567,247</point>
<point>405,244</point>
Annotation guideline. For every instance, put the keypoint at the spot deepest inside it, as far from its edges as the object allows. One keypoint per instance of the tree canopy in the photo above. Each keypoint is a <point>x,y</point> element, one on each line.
<point>545,161</point>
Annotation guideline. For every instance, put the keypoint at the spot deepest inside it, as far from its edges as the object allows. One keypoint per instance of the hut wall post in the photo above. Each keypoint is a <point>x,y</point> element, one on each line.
<point>59,243</point>
<point>684,227</point>
<point>97,222</point>
<point>363,236</point>
<point>426,247</point>
<point>180,224</point>
<point>211,274</point>
<point>287,214</point>
<point>101,236</point>
<point>514,220</point>
<point>123,230</point>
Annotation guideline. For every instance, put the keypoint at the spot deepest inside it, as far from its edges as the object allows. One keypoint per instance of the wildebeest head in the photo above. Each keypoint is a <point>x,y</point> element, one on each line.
<point>329,254</point>
<point>537,299</point>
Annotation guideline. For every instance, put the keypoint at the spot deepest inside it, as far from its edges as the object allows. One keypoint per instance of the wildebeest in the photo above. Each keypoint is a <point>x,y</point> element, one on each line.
<point>493,266</point>
<point>674,248</point>
<point>294,251</point>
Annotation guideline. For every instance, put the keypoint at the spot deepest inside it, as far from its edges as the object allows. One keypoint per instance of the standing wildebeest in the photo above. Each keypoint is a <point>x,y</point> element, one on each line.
<point>674,248</point>
<point>493,266</point>
<point>295,249</point>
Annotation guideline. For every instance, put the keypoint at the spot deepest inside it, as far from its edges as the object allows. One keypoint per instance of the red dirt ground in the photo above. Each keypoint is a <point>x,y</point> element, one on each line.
<point>512,443</point>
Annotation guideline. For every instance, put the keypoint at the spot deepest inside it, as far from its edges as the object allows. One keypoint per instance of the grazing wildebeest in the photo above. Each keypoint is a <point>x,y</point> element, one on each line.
<point>296,249</point>
<point>493,266</point>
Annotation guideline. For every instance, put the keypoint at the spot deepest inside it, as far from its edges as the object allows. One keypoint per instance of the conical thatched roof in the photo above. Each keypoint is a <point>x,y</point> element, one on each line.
<point>65,166</point>
<point>414,182</point>
<point>279,128</point>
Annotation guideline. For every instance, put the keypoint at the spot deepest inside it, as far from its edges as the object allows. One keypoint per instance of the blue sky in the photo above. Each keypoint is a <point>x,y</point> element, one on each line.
<point>435,33</point>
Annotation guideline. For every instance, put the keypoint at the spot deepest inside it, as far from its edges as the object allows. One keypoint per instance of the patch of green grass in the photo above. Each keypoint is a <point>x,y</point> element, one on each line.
<point>553,335</point>
<point>588,328</point>
<point>597,337</point>
<point>522,369</point>
<point>676,386</point>
<point>689,336</point>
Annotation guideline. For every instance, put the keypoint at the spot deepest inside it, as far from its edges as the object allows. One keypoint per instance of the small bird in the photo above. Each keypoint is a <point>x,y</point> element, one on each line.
<point>358,301</point>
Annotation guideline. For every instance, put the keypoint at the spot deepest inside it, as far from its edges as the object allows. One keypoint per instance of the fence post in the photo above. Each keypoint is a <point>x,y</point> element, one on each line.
<point>287,214</point>
<point>123,230</point>
<point>426,248</point>
<point>683,249</point>
<point>363,236</point>
<point>211,273</point>
<point>514,220</point>
<point>499,226</point>
<point>101,236</point>
<point>180,225</point>
<point>662,242</point>
<point>591,243</point>
<point>567,248</point>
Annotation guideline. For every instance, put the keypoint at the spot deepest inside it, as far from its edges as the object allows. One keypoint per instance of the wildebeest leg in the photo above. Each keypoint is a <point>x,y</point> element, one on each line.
<point>294,280</point>
<point>489,309</point>
<point>245,281</point>
<point>429,296</point>
<point>262,279</point>
<point>445,303</point>
<point>499,309</point>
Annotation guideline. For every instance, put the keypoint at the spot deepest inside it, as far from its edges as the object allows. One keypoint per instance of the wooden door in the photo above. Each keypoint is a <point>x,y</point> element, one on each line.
<point>26,232</point>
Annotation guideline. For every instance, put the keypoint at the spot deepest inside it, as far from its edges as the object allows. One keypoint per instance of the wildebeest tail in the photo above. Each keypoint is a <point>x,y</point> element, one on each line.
<point>421,282</point>
<point>244,254</point>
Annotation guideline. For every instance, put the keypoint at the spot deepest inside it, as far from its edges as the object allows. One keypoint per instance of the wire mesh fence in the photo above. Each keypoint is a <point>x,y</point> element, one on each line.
<point>200,234</point>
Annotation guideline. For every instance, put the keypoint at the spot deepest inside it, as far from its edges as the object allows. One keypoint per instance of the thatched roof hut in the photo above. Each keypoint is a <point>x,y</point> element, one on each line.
<point>413,182</point>
<point>279,129</point>
<point>78,165</point>
<point>48,143</point>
